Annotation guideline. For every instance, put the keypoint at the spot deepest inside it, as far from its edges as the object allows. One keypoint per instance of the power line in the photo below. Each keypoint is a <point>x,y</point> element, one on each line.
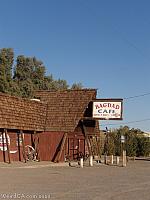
<point>137,96</point>
<point>130,122</point>
<point>116,29</point>
<point>124,123</point>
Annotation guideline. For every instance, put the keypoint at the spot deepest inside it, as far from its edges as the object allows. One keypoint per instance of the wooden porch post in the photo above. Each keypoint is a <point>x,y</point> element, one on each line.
<point>4,157</point>
<point>36,146</point>
<point>18,141</point>
<point>24,156</point>
<point>68,147</point>
<point>5,132</point>
<point>86,138</point>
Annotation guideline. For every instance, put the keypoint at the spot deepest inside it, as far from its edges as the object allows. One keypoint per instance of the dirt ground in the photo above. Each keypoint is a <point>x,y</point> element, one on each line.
<point>100,182</point>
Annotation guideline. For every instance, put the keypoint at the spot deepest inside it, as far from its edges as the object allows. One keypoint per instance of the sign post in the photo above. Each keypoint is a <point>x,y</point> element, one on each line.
<point>106,147</point>
<point>124,162</point>
<point>107,109</point>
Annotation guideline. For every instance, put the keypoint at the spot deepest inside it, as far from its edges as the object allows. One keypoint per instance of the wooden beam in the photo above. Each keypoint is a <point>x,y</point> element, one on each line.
<point>36,145</point>
<point>86,138</point>
<point>8,151</point>
<point>4,156</point>
<point>24,156</point>
<point>62,146</point>
<point>58,156</point>
<point>18,141</point>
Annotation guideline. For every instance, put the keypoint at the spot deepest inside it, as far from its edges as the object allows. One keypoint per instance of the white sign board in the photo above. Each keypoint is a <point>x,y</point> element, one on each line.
<point>107,109</point>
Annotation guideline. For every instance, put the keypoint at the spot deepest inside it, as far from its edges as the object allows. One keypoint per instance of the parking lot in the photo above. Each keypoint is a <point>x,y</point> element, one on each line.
<point>100,182</point>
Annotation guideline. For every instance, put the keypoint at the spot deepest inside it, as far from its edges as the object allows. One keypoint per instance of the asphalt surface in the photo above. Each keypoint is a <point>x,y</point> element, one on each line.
<point>101,182</point>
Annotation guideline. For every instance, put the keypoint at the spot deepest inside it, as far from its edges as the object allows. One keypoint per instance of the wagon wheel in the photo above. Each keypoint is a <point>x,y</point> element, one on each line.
<point>30,153</point>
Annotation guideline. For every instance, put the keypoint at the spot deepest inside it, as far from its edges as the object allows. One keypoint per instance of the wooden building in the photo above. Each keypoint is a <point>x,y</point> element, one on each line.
<point>57,127</point>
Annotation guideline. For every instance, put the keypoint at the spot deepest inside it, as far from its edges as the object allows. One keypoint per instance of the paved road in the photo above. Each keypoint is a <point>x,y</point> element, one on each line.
<point>100,182</point>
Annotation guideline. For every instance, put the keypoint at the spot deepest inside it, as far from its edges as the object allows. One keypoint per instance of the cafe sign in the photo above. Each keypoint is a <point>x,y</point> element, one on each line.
<point>108,109</point>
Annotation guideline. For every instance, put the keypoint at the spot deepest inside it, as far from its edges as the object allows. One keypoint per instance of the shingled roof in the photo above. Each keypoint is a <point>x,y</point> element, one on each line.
<point>57,110</point>
<point>22,114</point>
<point>65,108</point>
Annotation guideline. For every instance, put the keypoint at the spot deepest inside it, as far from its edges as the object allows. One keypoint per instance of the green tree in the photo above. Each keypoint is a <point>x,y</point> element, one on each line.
<point>131,143</point>
<point>136,144</point>
<point>117,138</point>
<point>23,69</point>
<point>111,143</point>
<point>6,65</point>
<point>49,83</point>
<point>143,146</point>
<point>61,84</point>
<point>22,76</point>
<point>38,73</point>
<point>29,75</point>
<point>76,86</point>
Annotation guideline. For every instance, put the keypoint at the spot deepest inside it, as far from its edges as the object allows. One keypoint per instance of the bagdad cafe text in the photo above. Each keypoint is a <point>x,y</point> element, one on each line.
<point>108,109</point>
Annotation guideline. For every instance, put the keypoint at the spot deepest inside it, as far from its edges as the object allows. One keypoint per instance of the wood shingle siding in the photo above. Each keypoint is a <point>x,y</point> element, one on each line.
<point>22,114</point>
<point>57,111</point>
<point>65,108</point>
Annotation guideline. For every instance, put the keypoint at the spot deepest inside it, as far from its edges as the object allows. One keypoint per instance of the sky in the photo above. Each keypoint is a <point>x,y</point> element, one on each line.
<point>102,44</point>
